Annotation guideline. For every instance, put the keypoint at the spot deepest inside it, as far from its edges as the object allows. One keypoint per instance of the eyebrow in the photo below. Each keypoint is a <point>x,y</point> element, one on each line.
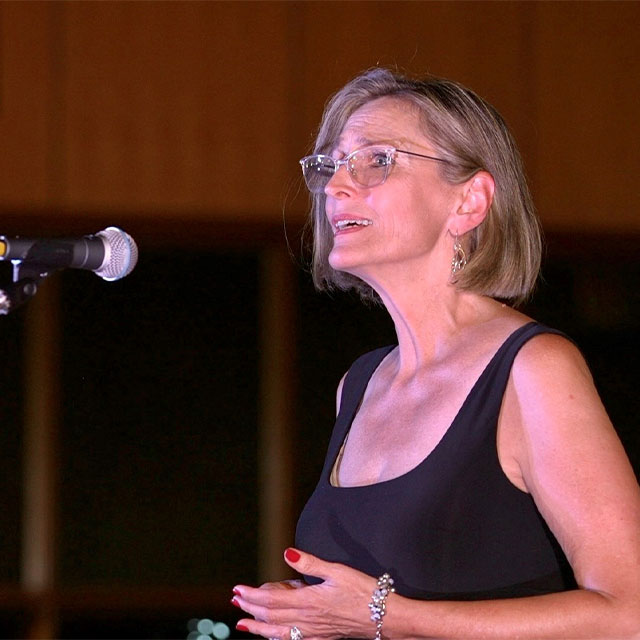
<point>361,141</point>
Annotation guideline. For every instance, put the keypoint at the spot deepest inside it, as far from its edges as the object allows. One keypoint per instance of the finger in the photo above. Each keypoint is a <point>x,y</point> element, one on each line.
<point>283,584</point>
<point>269,630</point>
<point>295,584</point>
<point>311,565</point>
<point>257,628</point>
<point>266,612</point>
<point>273,597</point>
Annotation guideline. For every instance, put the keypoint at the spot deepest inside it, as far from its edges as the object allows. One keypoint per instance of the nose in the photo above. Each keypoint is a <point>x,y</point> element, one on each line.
<point>341,183</point>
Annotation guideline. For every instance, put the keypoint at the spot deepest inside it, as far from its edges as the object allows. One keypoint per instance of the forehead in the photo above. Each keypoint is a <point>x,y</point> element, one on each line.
<point>386,120</point>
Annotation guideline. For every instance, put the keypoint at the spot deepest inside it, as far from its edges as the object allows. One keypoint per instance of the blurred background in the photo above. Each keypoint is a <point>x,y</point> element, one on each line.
<point>159,434</point>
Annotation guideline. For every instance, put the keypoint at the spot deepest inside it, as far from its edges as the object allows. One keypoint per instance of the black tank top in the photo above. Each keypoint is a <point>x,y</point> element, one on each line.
<point>453,527</point>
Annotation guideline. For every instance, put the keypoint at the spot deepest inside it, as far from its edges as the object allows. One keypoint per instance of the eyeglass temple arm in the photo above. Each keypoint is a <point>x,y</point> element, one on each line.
<point>421,155</point>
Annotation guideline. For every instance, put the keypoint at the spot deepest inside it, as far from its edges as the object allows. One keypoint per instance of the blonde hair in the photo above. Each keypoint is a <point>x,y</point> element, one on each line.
<point>504,251</point>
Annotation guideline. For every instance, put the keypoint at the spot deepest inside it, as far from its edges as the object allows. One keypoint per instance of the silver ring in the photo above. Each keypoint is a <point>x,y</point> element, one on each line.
<point>296,634</point>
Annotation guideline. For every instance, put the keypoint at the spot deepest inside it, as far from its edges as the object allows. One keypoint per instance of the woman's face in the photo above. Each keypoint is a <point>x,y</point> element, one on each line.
<point>402,223</point>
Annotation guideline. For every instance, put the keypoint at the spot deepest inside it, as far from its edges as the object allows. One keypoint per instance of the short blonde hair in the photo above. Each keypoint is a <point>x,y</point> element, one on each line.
<point>504,251</point>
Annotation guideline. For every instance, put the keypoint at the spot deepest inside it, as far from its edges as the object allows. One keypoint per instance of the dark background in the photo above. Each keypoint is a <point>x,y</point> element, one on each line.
<point>159,452</point>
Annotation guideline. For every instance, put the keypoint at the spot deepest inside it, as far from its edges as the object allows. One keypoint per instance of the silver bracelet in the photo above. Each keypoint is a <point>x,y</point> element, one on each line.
<point>378,604</point>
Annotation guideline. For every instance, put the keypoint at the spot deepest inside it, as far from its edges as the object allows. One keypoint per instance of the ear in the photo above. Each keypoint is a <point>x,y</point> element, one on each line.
<point>476,202</point>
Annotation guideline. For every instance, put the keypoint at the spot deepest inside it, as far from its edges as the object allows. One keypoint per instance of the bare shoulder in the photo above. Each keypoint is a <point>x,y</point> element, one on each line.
<point>558,421</point>
<point>549,400</point>
<point>553,388</point>
<point>546,358</point>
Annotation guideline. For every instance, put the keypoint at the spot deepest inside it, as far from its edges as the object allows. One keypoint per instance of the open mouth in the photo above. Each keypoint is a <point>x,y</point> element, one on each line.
<point>341,225</point>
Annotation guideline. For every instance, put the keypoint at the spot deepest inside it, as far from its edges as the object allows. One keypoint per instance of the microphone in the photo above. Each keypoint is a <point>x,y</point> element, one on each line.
<point>111,254</point>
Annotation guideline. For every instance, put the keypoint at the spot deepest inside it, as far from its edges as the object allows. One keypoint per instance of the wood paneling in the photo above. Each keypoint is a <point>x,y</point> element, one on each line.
<point>199,110</point>
<point>25,105</point>
<point>587,81</point>
<point>176,106</point>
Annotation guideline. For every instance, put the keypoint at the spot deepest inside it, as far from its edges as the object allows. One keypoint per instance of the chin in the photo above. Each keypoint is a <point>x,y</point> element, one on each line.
<point>341,261</point>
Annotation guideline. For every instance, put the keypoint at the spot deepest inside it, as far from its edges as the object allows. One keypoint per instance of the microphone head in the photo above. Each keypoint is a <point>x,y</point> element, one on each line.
<point>120,254</point>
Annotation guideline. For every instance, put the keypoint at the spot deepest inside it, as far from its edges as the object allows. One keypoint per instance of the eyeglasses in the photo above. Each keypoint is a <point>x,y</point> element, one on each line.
<point>368,167</point>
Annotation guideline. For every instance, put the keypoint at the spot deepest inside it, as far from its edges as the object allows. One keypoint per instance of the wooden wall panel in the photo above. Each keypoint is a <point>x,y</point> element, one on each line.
<point>26,105</point>
<point>176,106</point>
<point>587,91</point>
<point>159,110</point>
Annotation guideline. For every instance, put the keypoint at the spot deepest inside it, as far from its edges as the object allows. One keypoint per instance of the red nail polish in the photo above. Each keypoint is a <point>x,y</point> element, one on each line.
<point>292,555</point>
<point>234,602</point>
<point>236,591</point>
<point>241,627</point>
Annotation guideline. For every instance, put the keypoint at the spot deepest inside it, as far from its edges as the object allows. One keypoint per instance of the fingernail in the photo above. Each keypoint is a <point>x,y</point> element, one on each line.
<point>234,602</point>
<point>236,591</point>
<point>292,555</point>
<point>241,627</point>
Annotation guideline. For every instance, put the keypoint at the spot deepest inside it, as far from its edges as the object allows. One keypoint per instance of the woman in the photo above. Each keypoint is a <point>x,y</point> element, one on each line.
<point>472,466</point>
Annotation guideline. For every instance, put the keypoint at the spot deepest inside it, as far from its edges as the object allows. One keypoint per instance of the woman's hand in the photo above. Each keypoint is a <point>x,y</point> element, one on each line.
<point>335,608</point>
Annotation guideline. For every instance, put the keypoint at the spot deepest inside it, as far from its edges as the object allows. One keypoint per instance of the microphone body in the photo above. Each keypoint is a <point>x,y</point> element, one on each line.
<point>111,254</point>
<point>82,253</point>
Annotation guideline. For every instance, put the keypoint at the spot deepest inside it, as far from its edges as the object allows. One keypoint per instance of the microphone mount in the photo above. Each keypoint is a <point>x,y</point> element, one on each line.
<point>27,276</point>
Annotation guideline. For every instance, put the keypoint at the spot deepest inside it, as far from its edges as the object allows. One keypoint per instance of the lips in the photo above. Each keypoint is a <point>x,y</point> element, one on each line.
<point>343,223</point>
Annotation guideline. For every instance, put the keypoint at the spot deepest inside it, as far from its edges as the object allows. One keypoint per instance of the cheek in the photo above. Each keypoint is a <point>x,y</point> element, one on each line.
<point>419,227</point>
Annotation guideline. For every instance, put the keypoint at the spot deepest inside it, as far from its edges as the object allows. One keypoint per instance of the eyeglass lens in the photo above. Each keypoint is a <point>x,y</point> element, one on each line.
<point>368,167</point>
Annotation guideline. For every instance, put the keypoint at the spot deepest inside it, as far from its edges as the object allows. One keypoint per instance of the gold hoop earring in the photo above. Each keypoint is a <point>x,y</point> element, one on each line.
<point>459,261</point>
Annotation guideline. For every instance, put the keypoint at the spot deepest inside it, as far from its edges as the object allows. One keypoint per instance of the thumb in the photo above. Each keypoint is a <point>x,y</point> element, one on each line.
<point>308,564</point>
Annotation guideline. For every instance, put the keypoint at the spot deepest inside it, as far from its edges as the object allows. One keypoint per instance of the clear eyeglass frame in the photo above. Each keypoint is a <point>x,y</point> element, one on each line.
<point>368,167</point>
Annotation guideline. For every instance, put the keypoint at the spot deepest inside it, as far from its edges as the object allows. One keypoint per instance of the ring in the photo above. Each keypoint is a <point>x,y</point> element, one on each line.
<point>296,634</point>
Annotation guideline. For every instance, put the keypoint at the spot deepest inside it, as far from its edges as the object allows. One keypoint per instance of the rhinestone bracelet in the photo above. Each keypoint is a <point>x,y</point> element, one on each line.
<point>378,602</point>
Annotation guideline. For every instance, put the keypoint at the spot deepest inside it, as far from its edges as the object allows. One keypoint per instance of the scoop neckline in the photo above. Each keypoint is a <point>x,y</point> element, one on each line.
<point>445,436</point>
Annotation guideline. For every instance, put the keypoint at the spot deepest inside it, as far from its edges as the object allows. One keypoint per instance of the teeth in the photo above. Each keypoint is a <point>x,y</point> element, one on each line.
<point>343,224</point>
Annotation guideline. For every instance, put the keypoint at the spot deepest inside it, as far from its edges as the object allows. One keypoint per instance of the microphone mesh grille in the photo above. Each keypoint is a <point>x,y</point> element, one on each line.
<point>121,254</point>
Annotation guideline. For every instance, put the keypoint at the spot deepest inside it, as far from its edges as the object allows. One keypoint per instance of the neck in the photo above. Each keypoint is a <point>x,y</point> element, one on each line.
<point>427,315</point>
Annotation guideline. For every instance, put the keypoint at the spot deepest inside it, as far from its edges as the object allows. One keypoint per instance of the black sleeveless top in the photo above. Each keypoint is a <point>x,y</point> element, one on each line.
<point>453,527</point>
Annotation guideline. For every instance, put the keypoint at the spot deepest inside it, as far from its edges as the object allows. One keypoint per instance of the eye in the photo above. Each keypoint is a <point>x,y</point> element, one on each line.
<point>378,158</point>
<point>324,165</point>
<point>328,162</point>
